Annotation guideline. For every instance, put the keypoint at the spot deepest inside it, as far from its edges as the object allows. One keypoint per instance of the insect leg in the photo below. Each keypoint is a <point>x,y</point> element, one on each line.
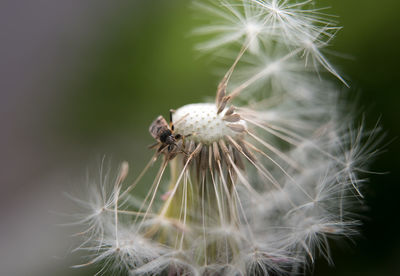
<point>152,146</point>
<point>162,148</point>
<point>171,124</point>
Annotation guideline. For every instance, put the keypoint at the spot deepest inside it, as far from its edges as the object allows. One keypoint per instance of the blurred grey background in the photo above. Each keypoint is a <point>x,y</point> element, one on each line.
<point>83,79</point>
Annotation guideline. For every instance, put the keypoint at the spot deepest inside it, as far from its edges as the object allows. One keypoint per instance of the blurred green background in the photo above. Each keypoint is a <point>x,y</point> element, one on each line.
<point>84,79</point>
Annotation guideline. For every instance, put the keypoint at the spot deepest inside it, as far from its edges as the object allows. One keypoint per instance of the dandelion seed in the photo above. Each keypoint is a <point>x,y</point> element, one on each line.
<point>260,178</point>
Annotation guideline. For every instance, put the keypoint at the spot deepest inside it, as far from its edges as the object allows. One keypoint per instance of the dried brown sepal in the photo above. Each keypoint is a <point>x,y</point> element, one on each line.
<point>221,92</point>
<point>237,127</point>
<point>222,104</point>
<point>238,160</point>
<point>217,156</point>
<point>230,110</point>
<point>223,146</point>
<point>247,152</point>
<point>232,118</point>
<point>202,161</point>
<point>196,150</point>
<point>211,160</point>
<point>226,152</point>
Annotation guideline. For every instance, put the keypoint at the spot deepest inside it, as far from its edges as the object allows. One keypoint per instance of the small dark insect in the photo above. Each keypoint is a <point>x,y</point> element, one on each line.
<point>164,133</point>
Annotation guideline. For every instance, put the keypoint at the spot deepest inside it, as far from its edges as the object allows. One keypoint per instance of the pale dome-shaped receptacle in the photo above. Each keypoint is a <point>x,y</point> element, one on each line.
<point>202,123</point>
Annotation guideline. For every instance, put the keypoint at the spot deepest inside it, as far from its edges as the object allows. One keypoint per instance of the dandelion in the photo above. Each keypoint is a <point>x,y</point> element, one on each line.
<point>260,178</point>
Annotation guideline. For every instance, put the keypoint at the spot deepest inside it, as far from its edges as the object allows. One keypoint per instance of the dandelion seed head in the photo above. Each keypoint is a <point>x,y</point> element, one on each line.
<point>260,178</point>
